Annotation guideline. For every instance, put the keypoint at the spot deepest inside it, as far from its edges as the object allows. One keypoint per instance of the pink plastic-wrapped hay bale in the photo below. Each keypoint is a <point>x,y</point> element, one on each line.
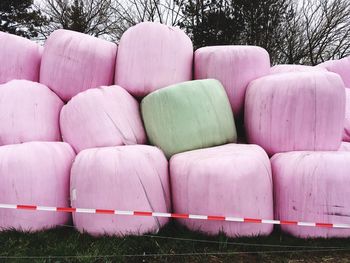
<point>29,111</point>
<point>296,111</point>
<point>234,67</point>
<point>341,67</point>
<point>73,62</point>
<point>286,68</point>
<point>312,187</point>
<point>106,116</point>
<point>34,173</point>
<point>152,56</point>
<point>215,181</point>
<point>131,177</point>
<point>20,58</point>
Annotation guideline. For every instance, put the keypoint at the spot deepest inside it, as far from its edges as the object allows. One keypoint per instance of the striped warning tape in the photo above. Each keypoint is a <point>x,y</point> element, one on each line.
<point>170,215</point>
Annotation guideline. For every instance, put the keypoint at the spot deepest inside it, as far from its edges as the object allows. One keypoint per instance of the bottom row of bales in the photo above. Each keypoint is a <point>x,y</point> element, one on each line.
<point>230,180</point>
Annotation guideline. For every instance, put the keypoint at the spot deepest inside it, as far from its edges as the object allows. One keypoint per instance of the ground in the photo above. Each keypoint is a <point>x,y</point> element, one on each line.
<point>172,244</point>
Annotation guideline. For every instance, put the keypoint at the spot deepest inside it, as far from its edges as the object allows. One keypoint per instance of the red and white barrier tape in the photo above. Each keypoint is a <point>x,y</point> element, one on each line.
<point>170,215</point>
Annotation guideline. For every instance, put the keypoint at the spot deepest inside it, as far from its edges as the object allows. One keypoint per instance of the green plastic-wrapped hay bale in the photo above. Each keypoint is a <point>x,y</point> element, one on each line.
<point>189,115</point>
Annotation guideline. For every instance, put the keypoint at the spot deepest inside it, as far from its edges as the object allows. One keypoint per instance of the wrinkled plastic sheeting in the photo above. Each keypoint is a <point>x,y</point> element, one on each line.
<point>34,173</point>
<point>187,116</point>
<point>125,178</point>
<point>20,58</point>
<point>215,181</point>
<point>341,67</point>
<point>73,62</point>
<point>106,116</point>
<point>287,68</point>
<point>296,111</point>
<point>152,56</point>
<point>312,187</point>
<point>344,146</point>
<point>234,67</point>
<point>29,111</point>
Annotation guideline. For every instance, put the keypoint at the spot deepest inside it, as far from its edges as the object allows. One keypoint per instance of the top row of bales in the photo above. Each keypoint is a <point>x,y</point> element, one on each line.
<point>152,56</point>
<point>149,56</point>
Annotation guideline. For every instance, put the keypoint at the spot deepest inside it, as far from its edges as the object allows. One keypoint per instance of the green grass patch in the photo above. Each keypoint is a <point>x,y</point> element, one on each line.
<point>173,243</point>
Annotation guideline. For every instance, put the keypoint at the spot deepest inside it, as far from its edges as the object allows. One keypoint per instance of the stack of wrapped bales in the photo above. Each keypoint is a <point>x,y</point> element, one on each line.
<point>79,137</point>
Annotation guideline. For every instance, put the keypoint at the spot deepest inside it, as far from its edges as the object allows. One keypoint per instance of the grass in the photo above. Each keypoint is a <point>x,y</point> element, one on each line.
<point>182,246</point>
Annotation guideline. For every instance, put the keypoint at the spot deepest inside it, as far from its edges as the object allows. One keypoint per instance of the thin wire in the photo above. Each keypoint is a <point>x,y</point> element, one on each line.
<point>219,242</point>
<point>175,255</point>
<point>242,243</point>
<point>229,243</point>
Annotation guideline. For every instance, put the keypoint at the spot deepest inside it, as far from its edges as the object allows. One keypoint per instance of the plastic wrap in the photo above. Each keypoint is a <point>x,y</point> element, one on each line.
<point>230,180</point>
<point>34,173</point>
<point>286,68</point>
<point>341,67</point>
<point>107,116</point>
<point>73,62</point>
<point>234,67</point>
<point>29,111</point>
<point>296,111</point>
<point>188,116</point>
<point>152,56</point>
<point>20,58</point>
<point>346,132</point>
<point>344,146</point>
<point>312,187</point>
<point>124,178</point>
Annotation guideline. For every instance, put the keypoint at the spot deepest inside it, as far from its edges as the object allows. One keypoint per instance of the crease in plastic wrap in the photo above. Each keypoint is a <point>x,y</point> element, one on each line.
<point>106,116</point>
<point>230,180</point>
<point>34,173</point>
<point>131,177</point>
<point>296,111</point>
<point>312,187</point>
<point>152,56</point>
<point>187,116</point>
<point>29,111</point>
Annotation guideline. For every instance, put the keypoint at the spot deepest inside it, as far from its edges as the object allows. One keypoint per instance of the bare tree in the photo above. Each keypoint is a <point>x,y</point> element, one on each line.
<point>291,47</point>
<point>293,31</point>
<point>318,30</point>
<point>131,12</point>
<point>162,11</point>
<point>107,18</point>
<point>93,17</point>
<point>327,29</point>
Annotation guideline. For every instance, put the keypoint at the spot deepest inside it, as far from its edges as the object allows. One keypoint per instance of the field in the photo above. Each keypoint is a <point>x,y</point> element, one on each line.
<point>172,244</point>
